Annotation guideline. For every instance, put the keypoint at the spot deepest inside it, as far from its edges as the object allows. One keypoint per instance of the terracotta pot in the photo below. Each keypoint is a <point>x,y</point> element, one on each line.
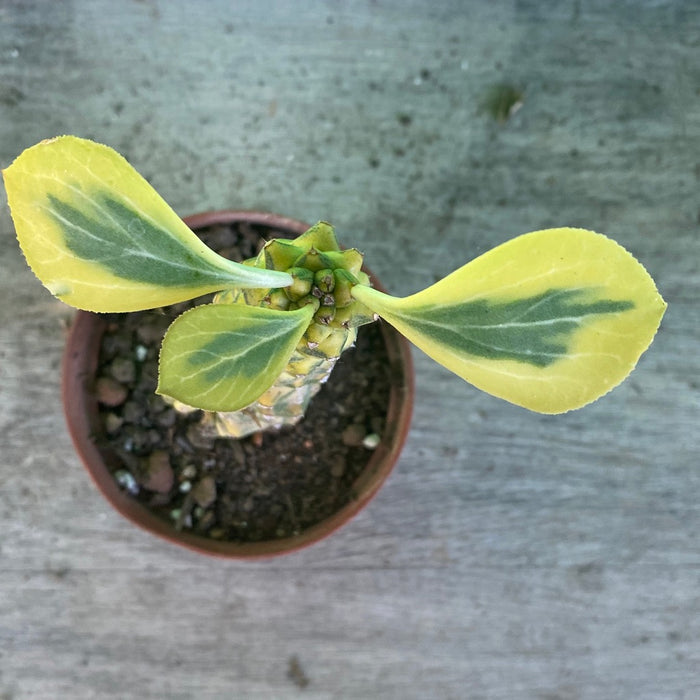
<point>80,365</point>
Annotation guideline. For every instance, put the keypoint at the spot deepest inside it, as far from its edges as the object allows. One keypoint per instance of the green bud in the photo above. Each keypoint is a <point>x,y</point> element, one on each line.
<point>324,280</point>
<point>308,300</point>
<point>353,315</point>
<point>313,260</point>
<point>336,342</point>
<point>343,317</point>
<point>344,282</point>
<point>303,280</point>
<point>324,315</point>
<point>316,333</point>
<point>276,299</point>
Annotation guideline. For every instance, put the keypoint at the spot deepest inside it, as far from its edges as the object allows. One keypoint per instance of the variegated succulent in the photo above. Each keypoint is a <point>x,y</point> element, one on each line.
<point>550,320</point>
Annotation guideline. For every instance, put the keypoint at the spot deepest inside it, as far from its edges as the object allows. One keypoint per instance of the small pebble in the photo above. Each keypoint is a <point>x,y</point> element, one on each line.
<point>189,471</point>
<point>133,411</point>
<point>185,487</point>
<point>371,441</point>
<point>135,436</point>
<point>123,370</point>
<point>127,481</point>
<point>141,352</point>
<point>204,492</point>
<point>353,435</point>
<point>110,392</point>
<point>159,474</point>
<point>113,422</point>
<point>156,403</point>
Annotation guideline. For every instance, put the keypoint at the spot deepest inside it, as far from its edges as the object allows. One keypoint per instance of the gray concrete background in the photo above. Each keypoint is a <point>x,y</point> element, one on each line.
<point>510,555</point>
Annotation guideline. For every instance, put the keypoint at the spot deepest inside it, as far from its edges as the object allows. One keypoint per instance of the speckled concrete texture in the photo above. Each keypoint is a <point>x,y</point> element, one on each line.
<point>510,555</point>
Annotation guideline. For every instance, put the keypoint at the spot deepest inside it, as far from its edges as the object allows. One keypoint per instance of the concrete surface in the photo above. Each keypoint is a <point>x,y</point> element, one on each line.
<point>510,555</point>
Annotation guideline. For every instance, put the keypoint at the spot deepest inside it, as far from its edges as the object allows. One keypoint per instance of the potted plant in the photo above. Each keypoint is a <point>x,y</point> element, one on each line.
<point>245,497</point>
<point>550,320</point>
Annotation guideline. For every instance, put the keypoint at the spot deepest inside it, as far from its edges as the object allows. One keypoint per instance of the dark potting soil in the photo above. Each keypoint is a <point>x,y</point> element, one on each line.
<point>266,486</point>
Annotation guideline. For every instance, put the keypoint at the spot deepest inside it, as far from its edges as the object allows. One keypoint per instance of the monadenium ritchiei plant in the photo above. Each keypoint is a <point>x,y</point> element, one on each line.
<point>550,320</point>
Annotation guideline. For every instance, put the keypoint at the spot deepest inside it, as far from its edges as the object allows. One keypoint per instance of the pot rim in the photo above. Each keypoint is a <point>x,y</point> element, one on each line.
<point>82,417</point>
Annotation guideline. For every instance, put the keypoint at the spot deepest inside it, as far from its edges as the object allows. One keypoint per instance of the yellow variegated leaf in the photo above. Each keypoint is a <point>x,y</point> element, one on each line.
<point>222,357</point>
<point>550,320</point>
<point>101,238</point>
